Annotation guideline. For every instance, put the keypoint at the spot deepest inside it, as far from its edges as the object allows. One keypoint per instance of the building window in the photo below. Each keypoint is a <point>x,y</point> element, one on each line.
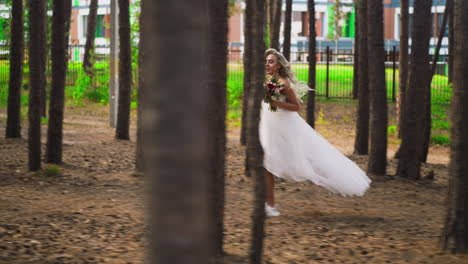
<point>100,26</point>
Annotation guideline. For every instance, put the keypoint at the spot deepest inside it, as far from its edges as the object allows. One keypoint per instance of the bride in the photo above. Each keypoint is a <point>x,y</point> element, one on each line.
<point>293,149</point>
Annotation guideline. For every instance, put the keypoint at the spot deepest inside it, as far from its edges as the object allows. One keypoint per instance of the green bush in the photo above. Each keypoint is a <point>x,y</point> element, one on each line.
<point>440,140</point>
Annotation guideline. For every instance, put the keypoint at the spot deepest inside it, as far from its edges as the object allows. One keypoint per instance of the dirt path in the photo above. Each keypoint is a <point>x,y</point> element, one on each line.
<point>93,211</point>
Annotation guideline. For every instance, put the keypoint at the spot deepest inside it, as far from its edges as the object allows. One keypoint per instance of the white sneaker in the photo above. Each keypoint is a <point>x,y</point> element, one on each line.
<point>271,211</point>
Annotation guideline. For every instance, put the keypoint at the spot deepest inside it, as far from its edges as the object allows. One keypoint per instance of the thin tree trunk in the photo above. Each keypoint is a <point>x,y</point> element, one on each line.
<point>455,234</point>
<point>275,23</point>
<point>60,27</point>
<point>253,145</point>
<point>409,164</point>
<point>125,72</point>
<point>217,114</point>
<point>176,129</point>
<point>247,68</point>
<point>378,92</point>
<point>451,44</point>
<point>88,60</point>
<point>312,64</point>
<point>287,30</point>
<point>13,128</point>
<point>139,160</point>
<point>403,63</point>
<point>427,119</point>
<point>37,46</point>
<point>361,143</point>
<point>356,57</point>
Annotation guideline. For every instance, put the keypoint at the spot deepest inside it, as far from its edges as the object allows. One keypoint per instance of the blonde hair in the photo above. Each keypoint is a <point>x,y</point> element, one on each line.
<point>285,70</point>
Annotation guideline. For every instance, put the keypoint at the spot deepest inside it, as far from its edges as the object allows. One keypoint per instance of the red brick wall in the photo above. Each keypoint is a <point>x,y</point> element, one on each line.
<point>389,23</point>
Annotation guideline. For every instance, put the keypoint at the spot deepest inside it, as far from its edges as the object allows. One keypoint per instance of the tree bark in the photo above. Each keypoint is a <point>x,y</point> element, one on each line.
<point>451,44</point>
<point>378,93</point>
<point>217,115</point>
<point>403,62</point>
<point>37,47</point>
<point>247,68</point>
<point>287,30</point>
<point>409,163</point>
<point>427,124</point>
<point>125,72</point>
<point>176,129</point>
<point>361,143</point>
<point>60,29</point>
<point>310,116</point>
<point>253,144</point>
<point>88,60</point>
<point>356,56</point>
<point>13,128</point>
<point>139,161</point>
<point>276,11</point>
<point>455,234</point>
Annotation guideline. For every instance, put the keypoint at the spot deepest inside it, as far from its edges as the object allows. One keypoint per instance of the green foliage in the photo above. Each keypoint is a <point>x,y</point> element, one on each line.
<point>392,130</point>
<point>82,85</point>
<point>440,140</point>
<point>50,170</point>
<point>44,120</point>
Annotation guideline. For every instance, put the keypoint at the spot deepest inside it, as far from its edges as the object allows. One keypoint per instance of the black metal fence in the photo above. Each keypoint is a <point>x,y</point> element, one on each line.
<point>334,74</point>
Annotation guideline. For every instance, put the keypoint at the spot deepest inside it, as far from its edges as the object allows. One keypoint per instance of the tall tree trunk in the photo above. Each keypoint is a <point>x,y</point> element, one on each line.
<point>125,72</point>
<point>312,64</point>
<point>253,144</point>
<point>427,124</point>
<point>176,129</point>
<point>217,115</point>
<point>88,60</point>
<point>356,55</point>
<point>455,235</point>
<point>60,28</point>
<point>378,92</point>
<point>276,11</point>
<point>403,62</point>
<point>451,44</point>
<point>409,164</point>
<point>13,128</point>
<point>139,160</point>
<point>37,47</point>
<point>287,30</point>
<point>361,143</point>
<point>247,68</point>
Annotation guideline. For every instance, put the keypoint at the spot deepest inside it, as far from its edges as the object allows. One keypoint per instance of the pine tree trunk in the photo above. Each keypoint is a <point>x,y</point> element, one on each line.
<point>176,128</point>
<point>287,30</point>
<point>125,72</point>
<point>409,164</point>
<point>60,28</point>
<point>139,155</point>
<point>361,143</point>
<point>356,57</point>
<point>455,234</point>
<point>312,64</point>
<point>247,68</point>
<point>403,73</point>
<point>253,144</point>
<point>451,44</point>
<point>217,115</point>
<point>276,11</point>
<point>88,60</point>
<point>377,89</point>
<point>427,124</point>
<point>37,47</point>
<point>13,128</point>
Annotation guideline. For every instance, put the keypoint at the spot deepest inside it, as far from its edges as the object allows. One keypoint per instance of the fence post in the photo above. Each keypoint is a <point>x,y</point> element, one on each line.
<point>394,74</point>
<point>327,82</point>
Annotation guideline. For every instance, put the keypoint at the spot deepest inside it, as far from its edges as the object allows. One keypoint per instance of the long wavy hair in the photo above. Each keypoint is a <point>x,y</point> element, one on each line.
<point>285,70</point>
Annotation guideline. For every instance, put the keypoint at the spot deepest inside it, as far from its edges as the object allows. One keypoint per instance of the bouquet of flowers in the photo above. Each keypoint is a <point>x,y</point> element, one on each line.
<point>273,90</point>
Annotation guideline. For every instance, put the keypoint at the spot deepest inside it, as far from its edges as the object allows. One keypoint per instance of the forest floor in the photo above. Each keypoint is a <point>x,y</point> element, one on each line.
<point>93,210</point>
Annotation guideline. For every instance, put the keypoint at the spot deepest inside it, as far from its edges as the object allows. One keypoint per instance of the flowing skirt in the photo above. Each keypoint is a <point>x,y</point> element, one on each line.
<point>294,150</point>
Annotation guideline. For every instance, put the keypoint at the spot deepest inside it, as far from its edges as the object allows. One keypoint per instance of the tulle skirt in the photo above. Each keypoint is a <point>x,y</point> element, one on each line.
<point>294,150</point>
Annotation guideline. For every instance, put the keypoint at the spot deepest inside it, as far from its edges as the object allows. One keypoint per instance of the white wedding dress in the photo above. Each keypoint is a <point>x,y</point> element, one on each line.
<point>294,150</point>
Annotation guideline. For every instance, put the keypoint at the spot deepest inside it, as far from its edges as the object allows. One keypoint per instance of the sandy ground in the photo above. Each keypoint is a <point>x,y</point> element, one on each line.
<point>92,212</point>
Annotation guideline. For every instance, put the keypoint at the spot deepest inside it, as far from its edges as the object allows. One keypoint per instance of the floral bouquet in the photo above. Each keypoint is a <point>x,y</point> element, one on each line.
<point>273,90</point>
